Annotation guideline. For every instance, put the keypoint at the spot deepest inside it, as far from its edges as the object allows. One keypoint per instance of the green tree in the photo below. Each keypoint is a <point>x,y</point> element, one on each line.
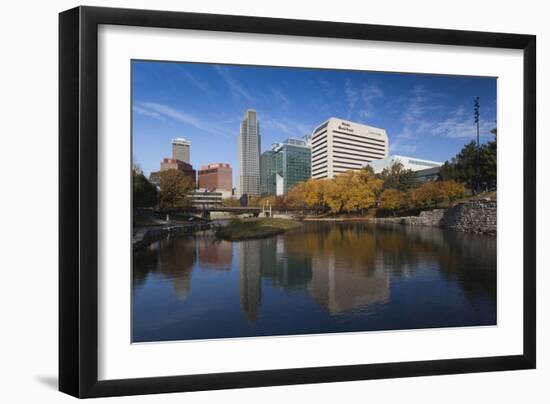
<point>174,189</point>
<point>145,194</point>
<point>397,177</point>
<point>463,167</point>
<point>488,164</point>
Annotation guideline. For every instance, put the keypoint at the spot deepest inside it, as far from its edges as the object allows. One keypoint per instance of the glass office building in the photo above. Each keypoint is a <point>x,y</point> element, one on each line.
<point>268,171</point>
<point>284,166</point>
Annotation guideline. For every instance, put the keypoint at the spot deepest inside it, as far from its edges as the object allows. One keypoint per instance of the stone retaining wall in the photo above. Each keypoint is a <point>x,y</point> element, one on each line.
<point>479,216</point>
<point>147,235</point>
<point>472,217</point>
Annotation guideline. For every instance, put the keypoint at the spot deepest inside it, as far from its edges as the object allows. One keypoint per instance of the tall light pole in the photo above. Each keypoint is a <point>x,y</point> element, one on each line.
<point>476,121</point>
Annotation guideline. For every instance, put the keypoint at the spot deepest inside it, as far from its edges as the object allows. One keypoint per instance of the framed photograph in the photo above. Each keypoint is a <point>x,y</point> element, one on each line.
<point>251,201</point>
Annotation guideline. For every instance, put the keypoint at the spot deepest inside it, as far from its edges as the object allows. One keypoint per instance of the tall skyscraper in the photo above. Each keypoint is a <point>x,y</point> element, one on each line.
<point>338,146</point>
<point>248,150</point>
<point>285,165</point>
<point>181,150</point>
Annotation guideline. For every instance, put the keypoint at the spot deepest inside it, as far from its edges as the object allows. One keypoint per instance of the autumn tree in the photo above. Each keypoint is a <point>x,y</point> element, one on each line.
<point>174,189</point>
<point>391,199</point>
<point>231,202</point>
<point>314,193</point>
<point>267,201</point>
<point>295,196</point>
<point>254,200</point>
<point>452,189</point>
<point>352,191</point>
<point>428,194</point>
<point>432,193</point>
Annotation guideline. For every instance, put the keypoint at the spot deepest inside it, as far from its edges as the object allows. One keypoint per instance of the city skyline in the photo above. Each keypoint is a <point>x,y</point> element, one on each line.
<point>425,116</point>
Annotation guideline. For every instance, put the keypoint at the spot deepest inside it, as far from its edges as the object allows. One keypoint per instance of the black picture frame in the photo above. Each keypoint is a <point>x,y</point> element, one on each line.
<point>78,201</point>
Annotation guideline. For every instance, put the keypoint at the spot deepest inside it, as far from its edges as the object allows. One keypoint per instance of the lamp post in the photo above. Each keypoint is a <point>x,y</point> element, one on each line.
<point>476,121</point>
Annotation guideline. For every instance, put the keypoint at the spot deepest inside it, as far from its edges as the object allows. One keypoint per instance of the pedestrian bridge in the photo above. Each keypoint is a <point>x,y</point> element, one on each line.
<point>227,209</point>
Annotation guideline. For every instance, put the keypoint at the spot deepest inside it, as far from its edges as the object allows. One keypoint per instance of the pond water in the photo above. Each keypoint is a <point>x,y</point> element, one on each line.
<point>324,277</point>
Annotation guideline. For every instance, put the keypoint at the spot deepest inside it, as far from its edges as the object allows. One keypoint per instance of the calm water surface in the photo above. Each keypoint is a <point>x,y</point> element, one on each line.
<point>325,277</point>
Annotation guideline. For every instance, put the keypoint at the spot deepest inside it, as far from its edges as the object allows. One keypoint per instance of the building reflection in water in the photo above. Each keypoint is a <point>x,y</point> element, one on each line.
<point>172,258</point>
<point>346,272</point>
<point>250,278</point>
<point>342,267</point>
<point>214,254</point>
<point>267,259</point>
<point>346,267</point>
<point>339,288</point>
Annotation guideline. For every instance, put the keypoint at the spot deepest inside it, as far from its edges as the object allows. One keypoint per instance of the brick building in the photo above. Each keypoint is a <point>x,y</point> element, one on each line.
<point>216,176</point>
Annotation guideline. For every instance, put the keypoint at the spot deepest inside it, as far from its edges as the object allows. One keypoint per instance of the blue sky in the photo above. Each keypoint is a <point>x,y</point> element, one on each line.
<point>425,116</point>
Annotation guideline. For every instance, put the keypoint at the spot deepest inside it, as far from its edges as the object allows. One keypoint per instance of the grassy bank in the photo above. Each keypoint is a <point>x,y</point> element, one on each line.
<point>244,229</point>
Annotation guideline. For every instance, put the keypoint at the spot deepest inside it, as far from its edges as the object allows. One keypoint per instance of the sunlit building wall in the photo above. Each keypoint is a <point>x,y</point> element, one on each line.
<point>181,150</point>
<point>338,145</point>
<point>409,163</point>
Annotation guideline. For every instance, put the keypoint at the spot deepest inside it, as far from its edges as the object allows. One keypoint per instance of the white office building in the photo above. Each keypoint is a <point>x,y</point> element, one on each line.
<point>338,145</point>
<point>181,150</point>
<point>248,150</point>
<point>409,163</point>
<point>204,198</point>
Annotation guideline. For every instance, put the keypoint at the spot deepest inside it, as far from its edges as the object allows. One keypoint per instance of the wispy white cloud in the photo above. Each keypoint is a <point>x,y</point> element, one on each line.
<point>283,100</point>
<point>400,147</point>
<point>361,99</point>
<point>458,125</point>
<point>370,94</point>
<point>164,112</point>
<point>237,89</point>
<point>203,86</point>
<point>287,127</point>
<point>173,113</point>
<point>352,96</point>
<point>149,113</point>
<point>424,115</point>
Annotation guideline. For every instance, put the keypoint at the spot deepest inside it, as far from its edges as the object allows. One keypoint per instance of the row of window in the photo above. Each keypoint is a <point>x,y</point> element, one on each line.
<point>318,162</point>
<point>319,170</point>
<point>350,163</point>
<point>358,153</point>
<point>357,143</point>
<point>320,147</point>
<point>319,175</point>
<point>321,127</point>
<point>318,157</point>
<point>319,137</point>
<point>356,157</point>
<point>377,141</point>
